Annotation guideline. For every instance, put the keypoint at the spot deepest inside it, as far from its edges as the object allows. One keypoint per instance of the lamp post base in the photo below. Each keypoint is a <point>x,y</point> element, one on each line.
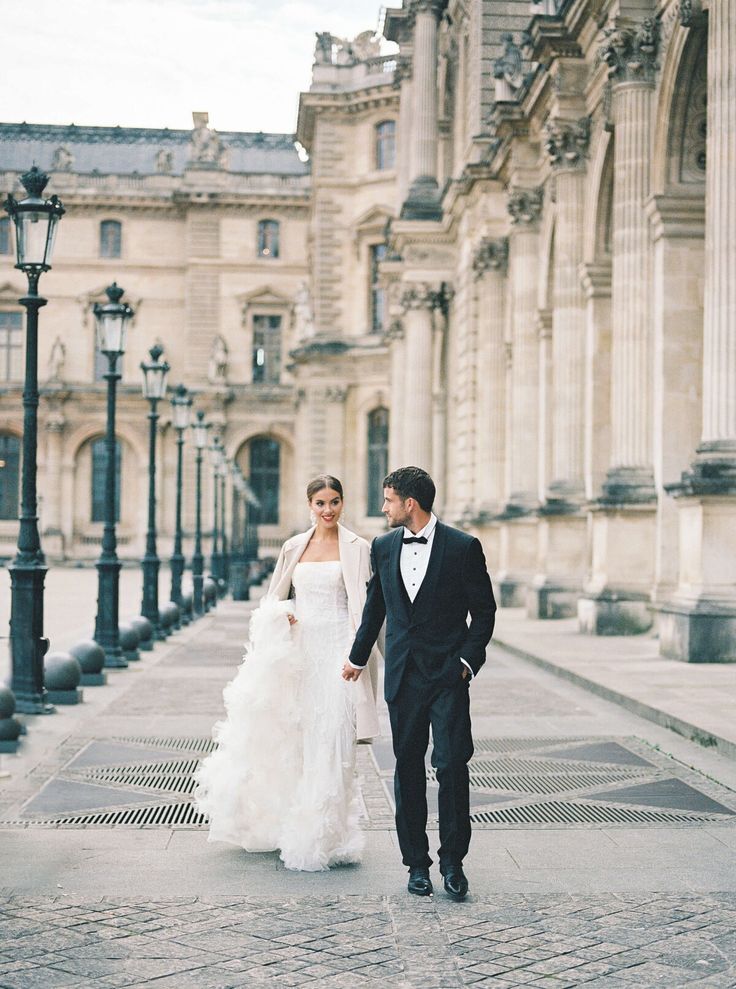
<point>149,609</point>
<point>27,643</point>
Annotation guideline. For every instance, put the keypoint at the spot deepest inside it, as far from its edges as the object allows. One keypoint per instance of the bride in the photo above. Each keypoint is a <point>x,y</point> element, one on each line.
<point>283,774</point>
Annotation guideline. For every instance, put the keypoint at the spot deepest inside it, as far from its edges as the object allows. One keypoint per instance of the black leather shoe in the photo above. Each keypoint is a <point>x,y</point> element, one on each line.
<point>419,882</point>
<point>456,882</point>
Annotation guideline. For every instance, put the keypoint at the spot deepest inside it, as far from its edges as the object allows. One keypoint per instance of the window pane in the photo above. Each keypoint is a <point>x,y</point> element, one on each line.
<point>386,144</point>
<point>110,239</point>
<point>268,239</point>
<point>11,346</point>
<point>377,459</point>
<point>6,242</point>
<point>99,467</point>
<point>267,349</point>
<point>265,479</point>
<point>9,476</point>
<point>378,295</point>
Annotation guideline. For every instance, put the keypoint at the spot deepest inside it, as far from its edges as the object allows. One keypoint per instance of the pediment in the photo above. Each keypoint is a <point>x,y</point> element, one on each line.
<point>374,218</point>
<point>11,293</point>
<point>264,296</point>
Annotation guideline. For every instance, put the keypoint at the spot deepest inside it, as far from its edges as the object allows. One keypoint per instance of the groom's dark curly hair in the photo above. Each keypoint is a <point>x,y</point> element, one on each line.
<point>412,482</point>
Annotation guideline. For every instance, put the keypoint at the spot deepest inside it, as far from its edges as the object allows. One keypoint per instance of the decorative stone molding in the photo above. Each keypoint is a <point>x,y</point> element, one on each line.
<point>630,51</point>
<point>491,255</point>
<point>402,71</point>
<point>420,295</point>
<point>690,11</point>
<point>566,142</point>
<point>434,7</point>
<point>335,394</point>
<point>525,205</point>
<point>395,330</point>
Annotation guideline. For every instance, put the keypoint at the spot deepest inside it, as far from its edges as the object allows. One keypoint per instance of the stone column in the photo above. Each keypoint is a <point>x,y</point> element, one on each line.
<point>395,338</point>
<point>699,625</point>
<point>418,300</point>
<point>618,590</point>
<point>518,549</point>
<point>422,202</point>
<point>53,538</point>
<point>490,265</point>
<point>562,527</point>
<point>404,83</point>
<point>335,440</point>
<point>630,51</point>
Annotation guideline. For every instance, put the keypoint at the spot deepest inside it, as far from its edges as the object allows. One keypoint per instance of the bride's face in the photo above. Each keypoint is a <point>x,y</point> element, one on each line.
<point>327,506</point>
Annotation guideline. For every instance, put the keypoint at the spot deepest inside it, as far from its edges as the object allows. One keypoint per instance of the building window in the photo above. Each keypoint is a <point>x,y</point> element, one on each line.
<point>377,459</point>
<point>6,245</point>
<point>99,468</point>
<point>266,349</point>
<point>378,294</point>
<point>268,239</point>
<point>9,475</point>
<point>111,239</point>
<point>385,144</point>
<point>265,479</point>
<point>11,346</point>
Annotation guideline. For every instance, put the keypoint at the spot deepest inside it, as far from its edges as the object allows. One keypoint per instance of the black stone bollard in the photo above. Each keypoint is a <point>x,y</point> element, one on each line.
<point>91,658</point>
<point>145,632</point>
<point>129,642</point>
<point>62,675</point>
<point>10,727</point>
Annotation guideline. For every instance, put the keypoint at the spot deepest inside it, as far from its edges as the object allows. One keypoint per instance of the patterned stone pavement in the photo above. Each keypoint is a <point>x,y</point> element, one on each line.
<point>541,942</point>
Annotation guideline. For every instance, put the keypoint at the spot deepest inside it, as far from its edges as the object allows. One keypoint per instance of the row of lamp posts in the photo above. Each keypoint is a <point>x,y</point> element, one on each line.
<point>35,220</point>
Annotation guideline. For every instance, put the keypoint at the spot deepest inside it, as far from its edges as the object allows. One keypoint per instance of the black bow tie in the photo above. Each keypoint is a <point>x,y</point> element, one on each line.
<point>416,539</point>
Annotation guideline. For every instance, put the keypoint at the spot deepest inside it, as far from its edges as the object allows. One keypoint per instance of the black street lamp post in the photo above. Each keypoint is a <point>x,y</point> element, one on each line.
<point>181,405</point>
<point>35,220</point>
<point>215,555</point>
<point>112,320</point>
<point>155,373</point>
<point>222,471</point>
<point>200,429</point>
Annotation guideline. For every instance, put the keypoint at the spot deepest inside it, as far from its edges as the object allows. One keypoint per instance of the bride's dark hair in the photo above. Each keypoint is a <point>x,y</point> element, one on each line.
<point>323,481</point>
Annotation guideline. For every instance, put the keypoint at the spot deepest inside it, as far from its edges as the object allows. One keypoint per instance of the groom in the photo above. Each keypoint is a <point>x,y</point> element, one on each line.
<point>427,578</point>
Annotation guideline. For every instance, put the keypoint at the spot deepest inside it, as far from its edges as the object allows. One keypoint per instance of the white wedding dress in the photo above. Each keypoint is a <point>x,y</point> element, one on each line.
<point>283,774</point>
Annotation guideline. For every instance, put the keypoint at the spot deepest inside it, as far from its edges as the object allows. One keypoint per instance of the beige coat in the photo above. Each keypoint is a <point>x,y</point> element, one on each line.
<point>355,557</point>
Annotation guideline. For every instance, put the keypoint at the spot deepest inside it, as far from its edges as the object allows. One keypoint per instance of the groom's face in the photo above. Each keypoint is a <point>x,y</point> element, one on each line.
<point>395,509</point>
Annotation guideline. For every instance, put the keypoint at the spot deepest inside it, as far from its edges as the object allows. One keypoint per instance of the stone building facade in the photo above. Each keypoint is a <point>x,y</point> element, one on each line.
<point>511,259</point>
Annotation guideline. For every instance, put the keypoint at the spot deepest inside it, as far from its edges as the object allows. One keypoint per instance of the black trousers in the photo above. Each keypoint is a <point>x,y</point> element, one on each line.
<point>419,704</point>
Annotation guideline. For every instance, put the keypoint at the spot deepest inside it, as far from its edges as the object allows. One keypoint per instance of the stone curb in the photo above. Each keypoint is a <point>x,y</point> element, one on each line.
<point>687,729</point>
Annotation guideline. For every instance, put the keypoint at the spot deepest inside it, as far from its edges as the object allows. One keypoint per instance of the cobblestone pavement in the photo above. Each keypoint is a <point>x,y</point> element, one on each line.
<point>544,942</point>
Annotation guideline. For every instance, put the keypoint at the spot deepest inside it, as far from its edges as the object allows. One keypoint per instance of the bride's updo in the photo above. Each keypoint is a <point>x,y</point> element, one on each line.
<point>323,481</point>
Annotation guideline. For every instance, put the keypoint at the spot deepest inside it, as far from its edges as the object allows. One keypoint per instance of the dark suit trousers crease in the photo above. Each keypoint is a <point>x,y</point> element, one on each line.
<point>419,704</point>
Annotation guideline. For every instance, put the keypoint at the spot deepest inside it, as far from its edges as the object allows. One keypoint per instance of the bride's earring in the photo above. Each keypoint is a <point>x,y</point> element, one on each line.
<point>312,518</point>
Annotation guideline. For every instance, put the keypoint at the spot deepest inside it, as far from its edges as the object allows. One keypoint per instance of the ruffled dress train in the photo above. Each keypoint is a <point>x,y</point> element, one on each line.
<point>283,774</point>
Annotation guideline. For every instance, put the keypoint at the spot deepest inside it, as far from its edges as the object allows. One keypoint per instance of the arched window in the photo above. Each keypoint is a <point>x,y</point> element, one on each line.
<point>377,459</point>
<point>268,239</point>
<point>6,241</point>
<point>99,468</point>
<point>265,478</point>
<point>11,346</point>
<point>111,239</point>
<point>267,349</point>
<point>386,144</point>
<point>9,475</point>
<point>378,294</point>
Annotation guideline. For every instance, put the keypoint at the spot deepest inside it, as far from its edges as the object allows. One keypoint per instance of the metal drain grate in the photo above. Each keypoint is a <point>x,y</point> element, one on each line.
<point>168,782</point>
<point>520,744</point>
<point>556,812</point>
<point>159,815</point>
<point>175,744</point>
<point>543,784</point>
<point>548,766</point>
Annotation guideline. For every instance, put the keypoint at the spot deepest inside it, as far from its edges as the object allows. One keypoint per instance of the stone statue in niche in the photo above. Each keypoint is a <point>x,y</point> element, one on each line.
<point>303,318</point>
<point>63,160</point>
<point>164,162</point>
<point>206,146</point>
<point>57,361</point>
<point>217,369</point>
<point>508,70</point>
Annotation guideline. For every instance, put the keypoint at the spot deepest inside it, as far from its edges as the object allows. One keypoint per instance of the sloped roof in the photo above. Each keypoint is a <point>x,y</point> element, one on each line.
<point>133,150</point>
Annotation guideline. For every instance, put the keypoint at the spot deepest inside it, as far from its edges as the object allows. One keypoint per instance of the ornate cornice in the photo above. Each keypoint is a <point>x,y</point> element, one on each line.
<point>525,205</point>
<point>566,142</point>
<point>491,255</point>
<point>434,7</point>
<point>630,50</point>
<point>421,295</point>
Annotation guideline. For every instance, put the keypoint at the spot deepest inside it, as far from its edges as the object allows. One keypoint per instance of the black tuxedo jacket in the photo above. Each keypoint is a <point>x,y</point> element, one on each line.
<point>433,630</point>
